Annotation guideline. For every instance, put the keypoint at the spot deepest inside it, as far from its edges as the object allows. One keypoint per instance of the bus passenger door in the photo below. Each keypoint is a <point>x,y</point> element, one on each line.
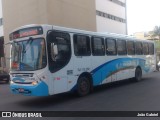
<point>59,55</point>
<point>60,84</point>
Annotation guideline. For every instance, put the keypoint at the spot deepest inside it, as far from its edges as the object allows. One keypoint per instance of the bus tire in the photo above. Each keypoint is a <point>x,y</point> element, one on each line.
<point>83,86</point>
<point>138,74</point>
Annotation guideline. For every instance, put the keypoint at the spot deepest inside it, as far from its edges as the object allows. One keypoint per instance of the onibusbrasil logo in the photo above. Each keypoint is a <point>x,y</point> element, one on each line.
<point>21,114</point>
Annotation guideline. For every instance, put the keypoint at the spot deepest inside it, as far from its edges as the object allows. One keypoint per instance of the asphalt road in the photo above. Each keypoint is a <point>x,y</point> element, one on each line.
<point>121,96</point>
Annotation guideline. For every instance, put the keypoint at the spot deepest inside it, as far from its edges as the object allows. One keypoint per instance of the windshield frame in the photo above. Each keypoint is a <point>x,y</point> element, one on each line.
<point>27,39</point>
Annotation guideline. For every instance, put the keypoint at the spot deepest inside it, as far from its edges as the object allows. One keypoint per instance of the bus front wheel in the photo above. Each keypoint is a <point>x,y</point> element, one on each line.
<point>138,74</point>
<point>83,86</point>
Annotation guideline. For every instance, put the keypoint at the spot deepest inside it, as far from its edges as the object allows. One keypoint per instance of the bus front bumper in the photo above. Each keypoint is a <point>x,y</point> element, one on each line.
<point>41,89</point>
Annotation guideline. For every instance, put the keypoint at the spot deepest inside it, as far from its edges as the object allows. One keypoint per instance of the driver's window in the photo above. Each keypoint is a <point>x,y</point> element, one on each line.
<point>63,45</point>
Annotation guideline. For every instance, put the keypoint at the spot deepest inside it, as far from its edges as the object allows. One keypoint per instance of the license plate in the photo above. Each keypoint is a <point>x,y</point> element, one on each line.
<point>21,90</point>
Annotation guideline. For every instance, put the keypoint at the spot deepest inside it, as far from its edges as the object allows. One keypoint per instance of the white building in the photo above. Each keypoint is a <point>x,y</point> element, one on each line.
<point>111,16</point>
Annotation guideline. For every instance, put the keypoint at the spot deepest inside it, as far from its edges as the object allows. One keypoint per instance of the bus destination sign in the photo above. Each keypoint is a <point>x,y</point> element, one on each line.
<point>26,32</point>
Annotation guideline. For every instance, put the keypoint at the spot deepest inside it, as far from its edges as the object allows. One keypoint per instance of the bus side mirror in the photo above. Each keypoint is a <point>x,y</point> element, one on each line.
<point>54,51</point>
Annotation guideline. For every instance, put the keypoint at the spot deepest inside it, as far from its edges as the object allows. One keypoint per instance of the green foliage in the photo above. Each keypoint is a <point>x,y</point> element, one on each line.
<point>156,32</point>
<point>157,43</point>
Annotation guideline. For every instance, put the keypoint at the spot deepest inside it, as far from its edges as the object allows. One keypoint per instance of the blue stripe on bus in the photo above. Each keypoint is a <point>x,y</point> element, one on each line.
<point>103,71</point>
<point>41,89</point>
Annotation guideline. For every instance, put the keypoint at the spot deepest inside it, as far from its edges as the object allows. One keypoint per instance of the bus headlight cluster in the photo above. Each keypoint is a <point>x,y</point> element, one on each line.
<point>34,82</point>
<point>11,82</point>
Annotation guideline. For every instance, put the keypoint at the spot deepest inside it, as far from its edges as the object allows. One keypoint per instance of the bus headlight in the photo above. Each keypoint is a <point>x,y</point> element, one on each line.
<point>11,82</point>
<point>35,83</point>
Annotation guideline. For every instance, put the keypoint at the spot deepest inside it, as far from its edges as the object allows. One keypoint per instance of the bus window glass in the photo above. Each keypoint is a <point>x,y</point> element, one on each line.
<point>121,47</point>
<point>145,48</point>
<point>28,55</point>
<point>98,46</point>
<point>139,48</point>
<point>151,48</point>
<point>130,48</point>
<point>111,47</point>
<point>82,45</point>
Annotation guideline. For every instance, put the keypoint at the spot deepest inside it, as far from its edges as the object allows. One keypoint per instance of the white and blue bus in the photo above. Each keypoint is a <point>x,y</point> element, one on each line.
<point>48,60</point>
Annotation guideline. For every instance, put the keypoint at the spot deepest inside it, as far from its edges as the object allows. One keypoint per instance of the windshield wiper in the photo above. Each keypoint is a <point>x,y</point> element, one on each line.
<point>28,42</point>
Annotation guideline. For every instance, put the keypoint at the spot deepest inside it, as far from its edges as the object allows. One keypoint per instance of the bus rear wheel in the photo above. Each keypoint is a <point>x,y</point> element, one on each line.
<point>138,74</point>
<point>83,86</point>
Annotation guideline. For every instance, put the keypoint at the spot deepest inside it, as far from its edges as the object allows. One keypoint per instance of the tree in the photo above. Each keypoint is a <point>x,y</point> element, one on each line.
<point>156,32</point>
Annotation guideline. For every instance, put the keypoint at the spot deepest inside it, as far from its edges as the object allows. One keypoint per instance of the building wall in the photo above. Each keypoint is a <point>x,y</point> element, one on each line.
<point>104,25</point>
<point>79,14</point>
<point>67,13</point>
<point>1,31</point>
<point>145,36</point>
<point>1,21</point>
<point>139,35</point>
<point>16,14</point>
<point>117,11</point>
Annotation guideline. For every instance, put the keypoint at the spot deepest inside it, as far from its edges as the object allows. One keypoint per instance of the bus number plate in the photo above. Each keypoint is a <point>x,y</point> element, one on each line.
<point>21,90</point>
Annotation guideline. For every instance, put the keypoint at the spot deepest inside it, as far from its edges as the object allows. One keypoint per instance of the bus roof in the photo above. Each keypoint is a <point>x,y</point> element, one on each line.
<point>79,31</point>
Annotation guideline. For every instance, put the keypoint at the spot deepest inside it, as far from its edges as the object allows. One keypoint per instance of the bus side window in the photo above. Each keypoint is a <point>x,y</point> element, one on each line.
<point>145,48</point>
<point>98,48</point>
<point>130,48</point>
<point>151,48</point>
<point>139,48</point>
<point>110,46</point>
<point>121,47</point>
<point>82,45</point>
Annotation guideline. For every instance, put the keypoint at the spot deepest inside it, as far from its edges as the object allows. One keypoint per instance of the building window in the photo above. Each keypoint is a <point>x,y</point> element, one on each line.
<point>82,45</point>
<point>111,46</point>
<point>109,16</point>
<point>121,47</point>
<point>98,48</point>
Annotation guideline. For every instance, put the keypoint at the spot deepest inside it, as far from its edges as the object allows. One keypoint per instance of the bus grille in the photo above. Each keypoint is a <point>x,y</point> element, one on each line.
<point>23,82</point>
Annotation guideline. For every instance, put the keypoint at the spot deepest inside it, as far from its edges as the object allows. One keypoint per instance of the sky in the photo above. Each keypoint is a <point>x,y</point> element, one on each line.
<point>142,15</point>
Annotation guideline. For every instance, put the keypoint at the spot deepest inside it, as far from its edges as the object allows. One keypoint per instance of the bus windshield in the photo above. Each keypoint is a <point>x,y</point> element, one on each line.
<point>28,55</point>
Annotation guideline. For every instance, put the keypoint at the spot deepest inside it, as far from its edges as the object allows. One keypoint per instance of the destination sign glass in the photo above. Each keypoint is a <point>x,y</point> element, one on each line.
<point>26,32</point>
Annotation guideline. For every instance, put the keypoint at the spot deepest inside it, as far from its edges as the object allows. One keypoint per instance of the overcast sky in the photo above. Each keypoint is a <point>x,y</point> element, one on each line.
<point>143,15</point>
